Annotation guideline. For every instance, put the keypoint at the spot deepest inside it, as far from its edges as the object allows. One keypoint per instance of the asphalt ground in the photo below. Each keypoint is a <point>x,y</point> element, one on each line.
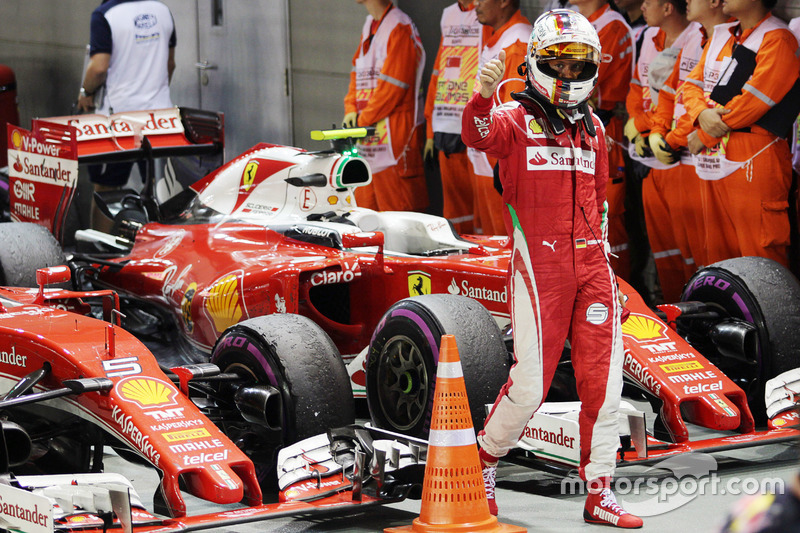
<point>540,501</point>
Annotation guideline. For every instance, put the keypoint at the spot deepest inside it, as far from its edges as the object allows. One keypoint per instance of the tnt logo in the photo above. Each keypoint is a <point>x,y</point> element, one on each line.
<point>166,414</point>
<point>24,190</point>
<point>660,347</point>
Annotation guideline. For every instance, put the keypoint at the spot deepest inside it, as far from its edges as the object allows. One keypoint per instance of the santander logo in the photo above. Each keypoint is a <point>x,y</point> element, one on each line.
<point>559,158</point>
<point>538,160</point>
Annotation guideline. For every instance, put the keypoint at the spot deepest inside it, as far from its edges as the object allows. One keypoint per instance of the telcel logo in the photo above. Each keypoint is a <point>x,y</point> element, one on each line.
<point>702,387</point>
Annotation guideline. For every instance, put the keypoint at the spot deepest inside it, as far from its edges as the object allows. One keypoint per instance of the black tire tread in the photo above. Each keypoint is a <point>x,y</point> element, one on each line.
<point>317,378</point>
<point>483,355</point>
<point>26,247</point>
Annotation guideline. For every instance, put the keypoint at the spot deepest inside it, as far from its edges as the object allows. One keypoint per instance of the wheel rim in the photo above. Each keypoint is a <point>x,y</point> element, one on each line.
<point>256,442</point>
<point>746,376</point>
<point>402,383</point>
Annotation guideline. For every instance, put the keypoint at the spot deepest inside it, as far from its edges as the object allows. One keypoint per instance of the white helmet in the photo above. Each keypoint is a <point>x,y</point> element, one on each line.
<point>557,35</point>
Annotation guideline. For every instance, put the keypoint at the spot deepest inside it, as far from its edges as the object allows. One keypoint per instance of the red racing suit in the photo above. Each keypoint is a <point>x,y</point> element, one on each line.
<point>560,282</point>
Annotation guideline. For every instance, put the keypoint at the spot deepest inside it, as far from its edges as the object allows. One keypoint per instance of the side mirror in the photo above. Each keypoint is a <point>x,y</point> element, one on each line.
<point>46,276</point>
<point>56,274</point>
<point>370,238</point>
<point>358,240</point>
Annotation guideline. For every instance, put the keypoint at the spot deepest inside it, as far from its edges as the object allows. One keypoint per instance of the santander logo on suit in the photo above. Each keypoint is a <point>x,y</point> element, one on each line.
<point>558,158</point>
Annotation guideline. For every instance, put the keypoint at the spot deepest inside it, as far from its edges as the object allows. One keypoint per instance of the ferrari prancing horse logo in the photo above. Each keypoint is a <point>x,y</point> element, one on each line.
<point>249,174</point>
<point>419,283</point>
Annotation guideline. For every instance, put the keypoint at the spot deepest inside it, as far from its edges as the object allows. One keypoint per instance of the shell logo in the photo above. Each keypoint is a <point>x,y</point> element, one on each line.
<point>186,306</point>
<point>333,200</point>
<point>16,139</point>
<point>534,126</point>
<point>146,392</point>
<point>642,328</point>
<point>779,422</point>
<point>223,303</point>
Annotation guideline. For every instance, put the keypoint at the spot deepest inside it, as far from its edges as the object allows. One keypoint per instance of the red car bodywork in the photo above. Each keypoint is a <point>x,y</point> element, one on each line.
<point>210,274</point>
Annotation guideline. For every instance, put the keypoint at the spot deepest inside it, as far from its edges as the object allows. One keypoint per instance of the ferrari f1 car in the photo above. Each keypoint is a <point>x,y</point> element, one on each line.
<point>277,231</point>
<point>72,384</point>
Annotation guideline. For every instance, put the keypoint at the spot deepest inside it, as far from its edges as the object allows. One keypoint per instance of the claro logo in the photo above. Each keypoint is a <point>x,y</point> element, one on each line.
<point>348,273</point>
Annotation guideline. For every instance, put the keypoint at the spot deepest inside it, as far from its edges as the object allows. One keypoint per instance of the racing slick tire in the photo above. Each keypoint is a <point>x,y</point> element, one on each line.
<point>25,248</point>
<point>404,352</point>
<point>296,357</point>
<point>764,293</point>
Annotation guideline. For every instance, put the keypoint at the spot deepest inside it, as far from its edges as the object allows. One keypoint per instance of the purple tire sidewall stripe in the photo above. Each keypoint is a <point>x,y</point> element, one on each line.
<point>743,307</point>
<point>259,357</point>
<point>255,352</point>
<point>414,317</point>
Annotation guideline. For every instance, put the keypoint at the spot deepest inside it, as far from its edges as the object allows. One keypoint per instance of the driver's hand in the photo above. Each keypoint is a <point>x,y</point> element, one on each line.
<point>492,74</point>
<point>350,120</point>
<point>428,152</point>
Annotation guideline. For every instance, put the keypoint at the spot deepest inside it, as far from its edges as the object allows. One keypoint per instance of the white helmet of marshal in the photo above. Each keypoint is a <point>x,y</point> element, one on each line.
<point>562,34</point>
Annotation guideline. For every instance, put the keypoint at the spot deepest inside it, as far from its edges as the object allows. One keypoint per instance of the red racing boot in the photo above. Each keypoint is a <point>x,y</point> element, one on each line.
<point>489,466</point>
<point>602,508</point>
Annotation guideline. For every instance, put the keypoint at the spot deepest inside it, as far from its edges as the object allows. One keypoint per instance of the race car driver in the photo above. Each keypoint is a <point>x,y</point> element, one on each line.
<point>554,168</point>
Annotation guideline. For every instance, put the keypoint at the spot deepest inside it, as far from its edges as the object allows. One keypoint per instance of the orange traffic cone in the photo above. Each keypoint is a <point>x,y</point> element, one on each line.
<point>453,497</point>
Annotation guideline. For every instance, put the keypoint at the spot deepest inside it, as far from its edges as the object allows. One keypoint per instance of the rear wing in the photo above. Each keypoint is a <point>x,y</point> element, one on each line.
<point>137,135</point>
<point>43,162</point>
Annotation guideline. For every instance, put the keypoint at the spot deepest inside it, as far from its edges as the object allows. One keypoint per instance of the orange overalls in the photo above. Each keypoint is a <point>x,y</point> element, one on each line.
<point>384,91</point>
<point>613,83</point>
<point>746,211</point>
<point>512,37</point>
<point>452,84</point>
